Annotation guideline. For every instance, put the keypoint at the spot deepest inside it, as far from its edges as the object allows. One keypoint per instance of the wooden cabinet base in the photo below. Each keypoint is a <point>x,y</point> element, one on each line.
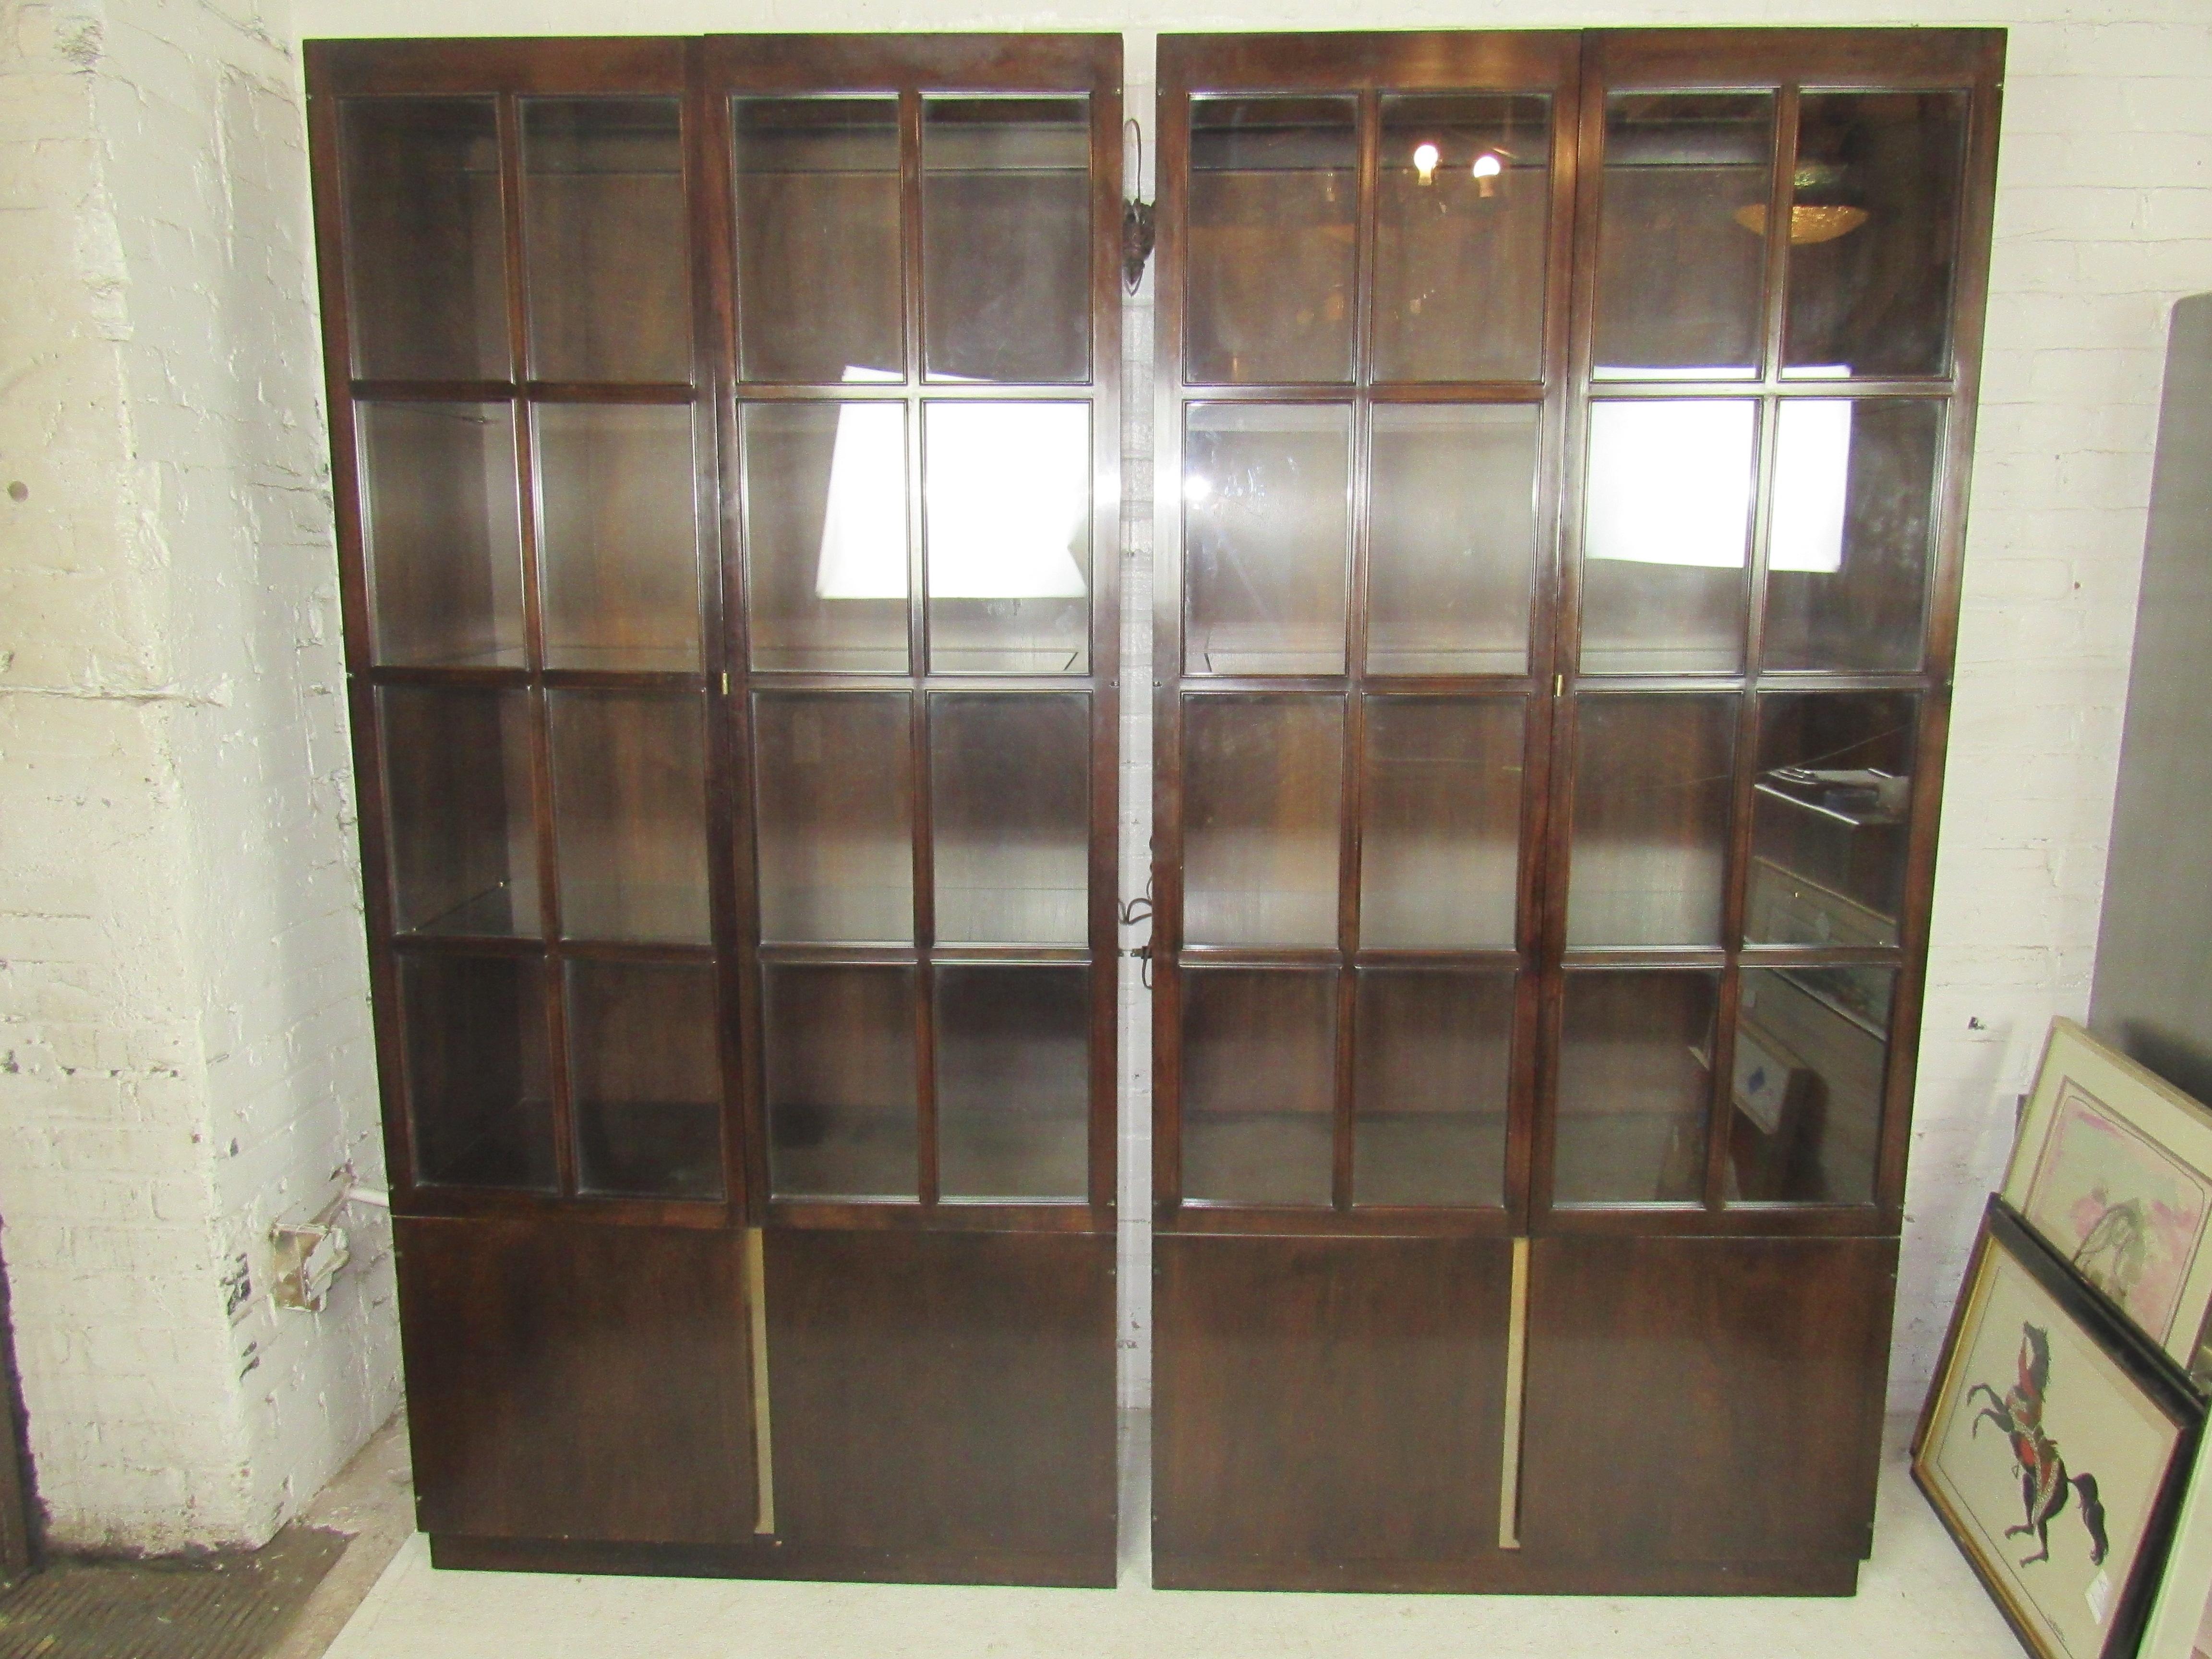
<point>1701,1416</point>
<point>773,1558</point>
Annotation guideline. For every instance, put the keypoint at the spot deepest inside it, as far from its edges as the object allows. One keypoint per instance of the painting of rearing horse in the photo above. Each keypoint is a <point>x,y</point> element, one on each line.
<point>2045,1484</point>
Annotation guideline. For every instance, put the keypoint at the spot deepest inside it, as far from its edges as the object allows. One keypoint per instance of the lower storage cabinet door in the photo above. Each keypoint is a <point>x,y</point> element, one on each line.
<point>571,1381</point>
<point>1705,1401</point>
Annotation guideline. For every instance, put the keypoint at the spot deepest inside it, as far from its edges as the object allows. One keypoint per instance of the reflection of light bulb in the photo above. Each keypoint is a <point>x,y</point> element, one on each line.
<point>1487,167</point>
<point>1425,162</point>
<point>1196,487</point>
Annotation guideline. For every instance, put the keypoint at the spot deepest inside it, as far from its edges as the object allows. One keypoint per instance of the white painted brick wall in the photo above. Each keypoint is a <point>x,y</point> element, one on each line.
<point>184,1041</point>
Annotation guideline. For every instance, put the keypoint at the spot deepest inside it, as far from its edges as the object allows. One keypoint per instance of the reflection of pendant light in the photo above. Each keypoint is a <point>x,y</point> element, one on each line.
<point>1425,162</point>
<point>1809,221</point>
<point>1487,167</point>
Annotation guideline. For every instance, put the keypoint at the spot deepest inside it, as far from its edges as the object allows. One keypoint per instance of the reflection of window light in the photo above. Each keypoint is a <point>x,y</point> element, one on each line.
<point>864,520</point>
<point>1669,482</point>
<point>1006,491</point>
<point>1812,468</point>
<point>1006,488</point>
<point>1196,487</point>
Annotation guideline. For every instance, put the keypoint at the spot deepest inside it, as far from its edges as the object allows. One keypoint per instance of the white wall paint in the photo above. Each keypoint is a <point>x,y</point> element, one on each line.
<point>184,1042</point>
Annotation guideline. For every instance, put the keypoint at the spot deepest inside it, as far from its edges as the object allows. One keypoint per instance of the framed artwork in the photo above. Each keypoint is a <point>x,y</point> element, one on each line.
<point>2055,1446</point>
<point>2113,1168</point>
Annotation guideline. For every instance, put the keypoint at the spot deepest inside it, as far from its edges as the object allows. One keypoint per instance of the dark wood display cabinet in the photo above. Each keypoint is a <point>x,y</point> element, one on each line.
<point>726,434</point>
<point>1555,617</point>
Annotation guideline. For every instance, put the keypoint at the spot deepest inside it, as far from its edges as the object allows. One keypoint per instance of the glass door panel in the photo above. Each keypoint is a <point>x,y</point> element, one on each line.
<point>1432,1070</point>
<point>462,821</point>
<point>1009,798</point>
<point>1006,188</point>
<point>426,245</point>
<point>619,536</point>
<point>1006,533</point>
<point>826,537</point>
<point>630,814</point>
<point>1013,1081</point>
<point>1874,233</point>
<point>605,218</point>
<point>1850,529</point>
<point>1274,196</point>
<point>1452,537</point>
<point>1682,234</point>
<point>645,1079</point>
<point>1259,1085</point>
<point>442,533</point>
<point>479,1092</point>
<point>821,294</point>
<point>840,1077</point>
<point>1831,818</point>
<point>1263,792</point>
<point>1667,535</point>
<point>1464,210</point>
<point>1654,778</point>
<point>1635,1080</point>
<point>1812,1057</point>
<point>834,783</point>
<point>1267,494</point>
<point>1440,853</point>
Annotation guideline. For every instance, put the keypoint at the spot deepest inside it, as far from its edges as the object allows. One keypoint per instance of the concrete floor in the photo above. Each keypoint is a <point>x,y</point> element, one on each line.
<point>1916,1598</point>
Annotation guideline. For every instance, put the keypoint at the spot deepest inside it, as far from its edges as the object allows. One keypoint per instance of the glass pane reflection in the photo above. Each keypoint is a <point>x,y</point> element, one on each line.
<point>826,536</point>
<point>1014,1081</point>
<point>1853,516</point>
<point>1652,783</point>
<point>1453,538</point>
<point>840,1078</point>
<point>1811,1047</point>
<point>1274,187</point>
<point>819,280</point>
<point>1680,262</point>
<point>1258,1068</point>
<point>1635,1075</point>
<point>1262,784</point>
<point>1874,232</point>
<point>1006,237</point>
<point>1667,535</point>
<point>1430,1087</point>
<point>1830,816</point>
<point>1006,517</point>
<point>1267,528</point>
<point>1465,192</point>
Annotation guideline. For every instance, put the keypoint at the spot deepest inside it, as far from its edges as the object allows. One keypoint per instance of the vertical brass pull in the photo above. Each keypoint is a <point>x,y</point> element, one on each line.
<point>1516,1383</point>
<point>763,1452</point>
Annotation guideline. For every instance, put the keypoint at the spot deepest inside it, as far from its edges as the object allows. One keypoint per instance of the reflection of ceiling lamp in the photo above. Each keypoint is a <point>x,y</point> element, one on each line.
<point>1808,223</point>
<point>1425,162</point>
<point>1487,167</point>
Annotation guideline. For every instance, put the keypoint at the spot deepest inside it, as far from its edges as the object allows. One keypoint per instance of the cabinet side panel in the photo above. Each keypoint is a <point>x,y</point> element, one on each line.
<point>579,1380</point>
<point>1704,1398</point>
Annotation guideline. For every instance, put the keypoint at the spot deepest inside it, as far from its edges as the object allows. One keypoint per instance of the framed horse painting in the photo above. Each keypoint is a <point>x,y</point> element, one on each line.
<point>2055,1446</point>
<point>2113,1170</point>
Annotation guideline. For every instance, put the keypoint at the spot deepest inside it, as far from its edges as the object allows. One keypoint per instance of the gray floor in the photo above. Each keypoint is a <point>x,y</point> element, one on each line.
<point>1916,1599</point>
